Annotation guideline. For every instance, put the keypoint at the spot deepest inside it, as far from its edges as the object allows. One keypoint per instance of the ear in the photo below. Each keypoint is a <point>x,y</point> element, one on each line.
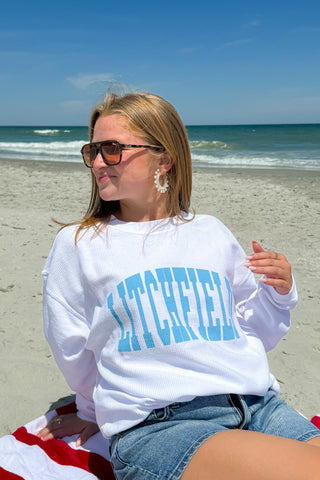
<point>165,163</point>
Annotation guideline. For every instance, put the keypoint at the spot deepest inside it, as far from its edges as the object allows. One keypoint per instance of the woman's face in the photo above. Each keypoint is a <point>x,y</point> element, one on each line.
<point>131,181</point>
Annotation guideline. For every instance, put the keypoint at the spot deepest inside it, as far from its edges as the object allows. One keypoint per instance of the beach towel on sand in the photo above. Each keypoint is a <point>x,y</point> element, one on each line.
<point>23,456</point>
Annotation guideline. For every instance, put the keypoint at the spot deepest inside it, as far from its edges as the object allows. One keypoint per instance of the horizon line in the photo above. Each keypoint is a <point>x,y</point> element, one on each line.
<point>186,125</point>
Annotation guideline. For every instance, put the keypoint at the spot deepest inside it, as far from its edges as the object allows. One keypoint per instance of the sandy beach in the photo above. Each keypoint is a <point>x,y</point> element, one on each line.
<point>278,208</point>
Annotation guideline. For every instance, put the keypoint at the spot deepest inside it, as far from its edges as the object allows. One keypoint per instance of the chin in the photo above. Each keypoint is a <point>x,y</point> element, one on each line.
<point>106,195</point>
<point>108,198</point>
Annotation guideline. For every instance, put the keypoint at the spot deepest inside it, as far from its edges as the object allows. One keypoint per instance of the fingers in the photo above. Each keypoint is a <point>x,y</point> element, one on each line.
<point>68,425</point>
<point>53,429</point>
<point>266,265</point>
<point>282,286</point>
<point>256,247</point>
<point>271,260</point>
<point>45,434</point>
<point>86,433</point>
<point>259,252</point>
<point>273,265</point>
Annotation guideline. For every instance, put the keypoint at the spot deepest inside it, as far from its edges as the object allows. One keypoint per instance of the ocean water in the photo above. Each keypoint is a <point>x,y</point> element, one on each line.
<point>247,146</point>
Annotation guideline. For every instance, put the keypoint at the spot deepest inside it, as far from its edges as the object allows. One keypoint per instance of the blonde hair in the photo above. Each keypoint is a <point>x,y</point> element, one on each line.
<point>156,120</point>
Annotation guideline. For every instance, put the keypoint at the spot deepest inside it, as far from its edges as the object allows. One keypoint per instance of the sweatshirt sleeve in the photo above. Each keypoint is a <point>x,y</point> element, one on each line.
<point>260,309</point>
<point>66,326</point>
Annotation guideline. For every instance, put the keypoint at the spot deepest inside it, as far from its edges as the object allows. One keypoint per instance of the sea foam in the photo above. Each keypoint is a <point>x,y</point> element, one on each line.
<point>47,131</point>
<point>207,145</point>
<point>56,151</point>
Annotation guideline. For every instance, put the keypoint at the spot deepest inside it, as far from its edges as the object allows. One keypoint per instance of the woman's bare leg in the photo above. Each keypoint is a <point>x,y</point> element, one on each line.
<point>246,455</point>
<point>314,441</point>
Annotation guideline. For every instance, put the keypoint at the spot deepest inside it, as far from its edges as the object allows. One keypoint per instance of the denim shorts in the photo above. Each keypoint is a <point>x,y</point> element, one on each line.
<point>162,445</point>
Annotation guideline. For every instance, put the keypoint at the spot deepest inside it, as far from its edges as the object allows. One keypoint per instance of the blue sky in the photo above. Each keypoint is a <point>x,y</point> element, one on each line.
<point>217,62</point>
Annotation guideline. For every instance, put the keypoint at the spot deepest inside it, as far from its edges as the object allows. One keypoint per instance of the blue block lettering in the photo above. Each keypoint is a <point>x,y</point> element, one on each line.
<point>231,321</point>
<point>180,277</point>
<point>122,294</point>
<point>165,278</point>
<point>135,287</point>
<point>193,279</point>
<point>124,342</point>
<point>214,332</point>
<point>164,333</point>
<point>227,330</point>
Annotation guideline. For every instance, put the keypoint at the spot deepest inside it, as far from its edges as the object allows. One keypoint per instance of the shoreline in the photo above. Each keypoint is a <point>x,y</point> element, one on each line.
<point>277,207</point>
<point>203,168</point>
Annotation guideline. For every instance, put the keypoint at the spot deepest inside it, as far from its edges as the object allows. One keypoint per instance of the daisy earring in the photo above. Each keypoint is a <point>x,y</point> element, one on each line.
<point>161,188</point>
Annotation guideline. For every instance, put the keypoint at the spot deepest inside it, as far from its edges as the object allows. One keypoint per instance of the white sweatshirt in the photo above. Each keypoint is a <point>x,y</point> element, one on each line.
<point>151,313</point>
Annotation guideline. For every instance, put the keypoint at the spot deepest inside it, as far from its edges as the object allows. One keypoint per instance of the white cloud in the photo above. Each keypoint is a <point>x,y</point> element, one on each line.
<point>83,81</point>
<point>236,43</point>
<point>94,80</point>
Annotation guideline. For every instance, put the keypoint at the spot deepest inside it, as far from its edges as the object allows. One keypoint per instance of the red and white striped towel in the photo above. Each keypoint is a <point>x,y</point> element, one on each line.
<point>24,456</point>
<point>316,420</point>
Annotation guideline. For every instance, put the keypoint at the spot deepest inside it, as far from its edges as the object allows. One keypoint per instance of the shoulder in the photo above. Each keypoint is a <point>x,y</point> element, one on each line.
<point>66,234</point>
<point>65,240</point>
<point>71,237</point>
<point>213,230</point>
<point>66,246</point>
<point>207,219</point>
<point>208,222</point>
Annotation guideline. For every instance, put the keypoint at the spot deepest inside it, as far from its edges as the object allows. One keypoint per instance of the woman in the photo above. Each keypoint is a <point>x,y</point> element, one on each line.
<point>155,319</point>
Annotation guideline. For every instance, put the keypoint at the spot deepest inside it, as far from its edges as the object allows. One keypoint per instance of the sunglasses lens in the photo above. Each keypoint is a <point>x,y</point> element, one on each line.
<point>89,153</point>
<point>111,152</point>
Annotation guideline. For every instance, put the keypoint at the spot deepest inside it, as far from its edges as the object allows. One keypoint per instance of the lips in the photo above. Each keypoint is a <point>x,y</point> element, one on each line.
<point>103,177</point>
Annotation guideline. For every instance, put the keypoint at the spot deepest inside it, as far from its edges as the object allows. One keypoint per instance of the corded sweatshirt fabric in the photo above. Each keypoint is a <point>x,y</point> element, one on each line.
<point>146,314</point>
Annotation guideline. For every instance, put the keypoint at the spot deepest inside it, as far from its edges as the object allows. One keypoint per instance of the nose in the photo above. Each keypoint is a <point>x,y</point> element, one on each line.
<point>98,162</point>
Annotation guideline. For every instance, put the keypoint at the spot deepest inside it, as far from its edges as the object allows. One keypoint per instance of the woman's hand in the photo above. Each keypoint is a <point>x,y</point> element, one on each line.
<point>66,425</point>
<point>274,266</point>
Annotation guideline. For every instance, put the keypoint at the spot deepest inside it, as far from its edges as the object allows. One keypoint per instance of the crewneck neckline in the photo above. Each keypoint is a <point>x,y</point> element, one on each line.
<point>150,226</point>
